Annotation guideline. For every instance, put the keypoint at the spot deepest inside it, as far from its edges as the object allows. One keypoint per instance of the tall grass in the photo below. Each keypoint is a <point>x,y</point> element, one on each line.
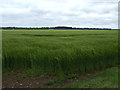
<point>59,52</point>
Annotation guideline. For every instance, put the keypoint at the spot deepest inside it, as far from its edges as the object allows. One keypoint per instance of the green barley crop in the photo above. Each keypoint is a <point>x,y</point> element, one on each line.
<point>55,52</point>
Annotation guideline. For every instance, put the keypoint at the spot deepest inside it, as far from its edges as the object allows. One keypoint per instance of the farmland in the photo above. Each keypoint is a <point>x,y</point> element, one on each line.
<point>59,52</point>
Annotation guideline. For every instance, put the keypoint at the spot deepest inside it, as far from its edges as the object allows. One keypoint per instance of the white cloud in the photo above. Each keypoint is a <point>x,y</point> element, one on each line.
<point>79,13</point>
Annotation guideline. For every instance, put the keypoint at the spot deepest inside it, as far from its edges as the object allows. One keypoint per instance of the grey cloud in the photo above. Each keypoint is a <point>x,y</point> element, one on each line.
<point>93,14</point>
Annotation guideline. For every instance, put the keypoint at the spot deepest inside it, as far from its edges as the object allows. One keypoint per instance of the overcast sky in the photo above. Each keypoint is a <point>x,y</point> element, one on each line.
<point>75,13</point>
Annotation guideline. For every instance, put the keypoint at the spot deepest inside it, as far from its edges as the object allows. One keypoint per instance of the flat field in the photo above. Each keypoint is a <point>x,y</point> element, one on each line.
<point>59,52</point>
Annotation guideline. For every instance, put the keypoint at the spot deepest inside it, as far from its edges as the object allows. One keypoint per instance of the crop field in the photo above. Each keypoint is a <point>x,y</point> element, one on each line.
<point>59,52</point>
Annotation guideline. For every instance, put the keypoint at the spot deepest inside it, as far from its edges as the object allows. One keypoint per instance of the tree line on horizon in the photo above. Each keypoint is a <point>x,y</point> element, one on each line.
<point>58,27</point>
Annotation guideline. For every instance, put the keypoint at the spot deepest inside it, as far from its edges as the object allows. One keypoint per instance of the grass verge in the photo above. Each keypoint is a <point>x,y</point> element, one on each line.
<point>106,79</point>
